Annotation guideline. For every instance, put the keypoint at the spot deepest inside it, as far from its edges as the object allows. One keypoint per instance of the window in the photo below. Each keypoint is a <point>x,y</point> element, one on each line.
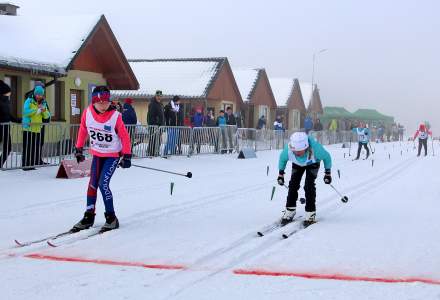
<point>57,110</point>
<point>296,117</point>
<point>226,105</point>
<point>262,111</point>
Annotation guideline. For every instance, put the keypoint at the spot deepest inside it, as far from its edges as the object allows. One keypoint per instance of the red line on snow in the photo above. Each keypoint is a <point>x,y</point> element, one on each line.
<point>257,272</point>
<point>260,272</point>
<point>105,262</point>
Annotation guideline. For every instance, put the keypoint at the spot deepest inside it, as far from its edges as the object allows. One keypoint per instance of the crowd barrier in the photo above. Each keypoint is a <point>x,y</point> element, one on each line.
<point>47,144</point>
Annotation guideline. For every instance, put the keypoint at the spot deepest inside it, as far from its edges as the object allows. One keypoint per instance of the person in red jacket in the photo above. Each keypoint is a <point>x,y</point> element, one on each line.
<point>423,134</point>
<point>109,140</point>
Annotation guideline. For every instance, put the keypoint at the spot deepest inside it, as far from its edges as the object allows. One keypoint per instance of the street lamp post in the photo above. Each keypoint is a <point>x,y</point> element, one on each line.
<point>313,71</point>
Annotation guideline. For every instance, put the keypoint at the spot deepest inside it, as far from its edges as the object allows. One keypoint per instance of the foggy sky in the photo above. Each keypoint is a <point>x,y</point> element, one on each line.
<point>381,54</point>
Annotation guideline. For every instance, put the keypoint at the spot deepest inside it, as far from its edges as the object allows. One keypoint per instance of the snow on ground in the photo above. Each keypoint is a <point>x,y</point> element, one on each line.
<point>387,230</point>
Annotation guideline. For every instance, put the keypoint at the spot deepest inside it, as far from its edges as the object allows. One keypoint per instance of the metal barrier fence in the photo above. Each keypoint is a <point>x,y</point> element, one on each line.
<point>175,140</point>
<point>228,139</point>
<point>247,138</point>
<point>37,145</point>
<point>48,144</point>
<point>205,140</point>
<point>144,140</point>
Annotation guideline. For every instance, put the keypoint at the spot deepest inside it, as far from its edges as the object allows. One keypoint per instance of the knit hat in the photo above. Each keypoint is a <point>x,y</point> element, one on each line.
<point>128,101</point>
<point>100,94</point>
<point>38,91</point>
<point>158,93</point>
<point>4,88</point>
<point>299,141</point>
<point>176,98</point>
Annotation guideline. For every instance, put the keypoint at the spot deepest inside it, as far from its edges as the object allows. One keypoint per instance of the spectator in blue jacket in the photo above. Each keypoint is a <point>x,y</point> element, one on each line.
<point>308,124</point>
<point>128,113</point>
<point>197,118</point>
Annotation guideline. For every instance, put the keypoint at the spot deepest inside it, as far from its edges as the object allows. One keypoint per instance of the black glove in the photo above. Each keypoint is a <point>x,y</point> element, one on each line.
<point>327,177</point>
<point>125,162</point>
<point>280,178</point>
<point>79,155</point>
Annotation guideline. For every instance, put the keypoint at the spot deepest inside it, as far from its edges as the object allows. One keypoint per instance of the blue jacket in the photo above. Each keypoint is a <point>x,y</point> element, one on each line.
<point>319,153</point>
<point>129,115</point>
<point>197,120</point>
<point>221,121</point>
<point>308,123</point>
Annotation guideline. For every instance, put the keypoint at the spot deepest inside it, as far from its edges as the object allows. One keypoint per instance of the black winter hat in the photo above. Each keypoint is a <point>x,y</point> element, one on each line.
<point>4,88</point>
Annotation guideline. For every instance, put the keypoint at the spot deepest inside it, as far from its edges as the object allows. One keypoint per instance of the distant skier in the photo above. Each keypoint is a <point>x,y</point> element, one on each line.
<point>423,134</point>
<point>109,140</point>
<point>363,134</point>
<point>306,154</point>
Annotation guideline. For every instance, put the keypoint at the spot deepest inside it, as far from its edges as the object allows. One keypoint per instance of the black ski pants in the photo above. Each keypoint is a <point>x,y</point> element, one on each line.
<point>360,148</point>
<point>309,187</point>
<point>423,142</point>
<point>31,153</point>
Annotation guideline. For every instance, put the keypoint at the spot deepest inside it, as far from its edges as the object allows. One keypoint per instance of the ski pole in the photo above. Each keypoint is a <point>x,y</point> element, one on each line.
<point>432,146</point>
<point>344,199</point>
<point>349,149</point>
<point>371,148</point>
<point>189,174</point>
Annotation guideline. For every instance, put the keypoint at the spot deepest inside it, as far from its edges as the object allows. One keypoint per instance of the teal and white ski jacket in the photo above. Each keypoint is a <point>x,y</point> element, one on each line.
<point>363,134</point>
<point>314,154</point>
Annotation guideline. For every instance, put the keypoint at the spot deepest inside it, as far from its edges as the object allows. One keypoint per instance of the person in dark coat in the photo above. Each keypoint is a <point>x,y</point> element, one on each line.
<point>261,122</point>
<point>5,117</point>
<point>129,118</point>
<point>197,120</point>
<point>318,125</point>
<point>210,119</point>
<point>171,113</point>
<point>128,113</point>
<point>155,117</point>
<point>230,118</point>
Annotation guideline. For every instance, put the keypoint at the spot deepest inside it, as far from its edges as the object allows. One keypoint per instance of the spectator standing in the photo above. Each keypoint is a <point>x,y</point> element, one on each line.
<point>210,119</point>
<point>261,122</point>
<point>318,125</point>
<point>171,112</point>
<point>34,111</point>
<point>308,124</point>
<point>155,117</point>
<point>221,122</point>
<point>197,120</point>
<point>5,117</point>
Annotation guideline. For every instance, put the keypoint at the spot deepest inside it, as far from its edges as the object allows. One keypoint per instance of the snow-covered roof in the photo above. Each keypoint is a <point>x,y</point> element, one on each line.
<point>48,43</point>
<point>183,77</point>
<point>246,80</point>
<point>306,92</point>
<point>282,88</point>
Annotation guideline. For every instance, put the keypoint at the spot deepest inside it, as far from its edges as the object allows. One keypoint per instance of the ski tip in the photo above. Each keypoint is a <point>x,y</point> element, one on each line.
<point>51,244</point>
<point>285,236</point>
<point>260,233</point>
<point>19,244</point>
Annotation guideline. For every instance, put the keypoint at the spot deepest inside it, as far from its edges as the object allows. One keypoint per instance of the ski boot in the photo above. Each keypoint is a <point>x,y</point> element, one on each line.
<point>111,222</point>
<point>288,215</point>
<point>85,223</point>
<point>310,218</point>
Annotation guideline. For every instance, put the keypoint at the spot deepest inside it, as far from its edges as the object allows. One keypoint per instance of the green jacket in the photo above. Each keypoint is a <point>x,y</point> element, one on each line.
<point>32,115</point>
<point>318,153</point>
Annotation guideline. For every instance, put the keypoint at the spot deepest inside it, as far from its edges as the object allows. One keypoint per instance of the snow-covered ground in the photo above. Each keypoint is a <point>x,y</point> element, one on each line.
<point>195,243</point>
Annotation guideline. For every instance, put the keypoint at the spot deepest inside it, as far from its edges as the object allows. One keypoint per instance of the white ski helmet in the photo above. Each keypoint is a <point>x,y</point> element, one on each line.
<point>299,141</point>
